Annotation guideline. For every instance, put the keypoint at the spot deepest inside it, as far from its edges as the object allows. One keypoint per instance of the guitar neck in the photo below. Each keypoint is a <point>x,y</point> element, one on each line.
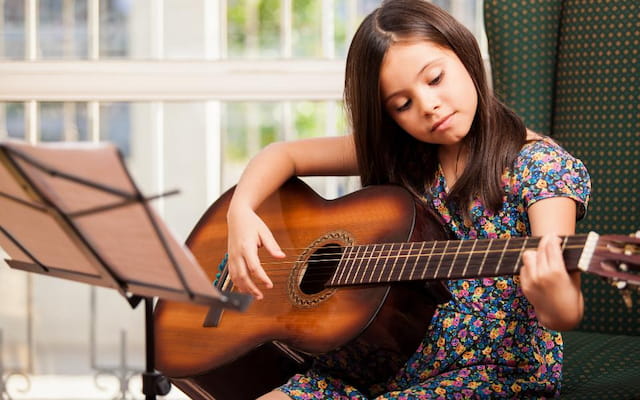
<point>436,260</point>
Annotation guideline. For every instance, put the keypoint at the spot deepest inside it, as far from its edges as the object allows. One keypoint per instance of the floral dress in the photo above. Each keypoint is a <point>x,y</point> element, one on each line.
<point>486,341</point>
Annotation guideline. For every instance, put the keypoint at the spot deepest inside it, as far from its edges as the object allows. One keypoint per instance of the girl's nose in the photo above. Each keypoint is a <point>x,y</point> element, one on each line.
<point>429,102</point>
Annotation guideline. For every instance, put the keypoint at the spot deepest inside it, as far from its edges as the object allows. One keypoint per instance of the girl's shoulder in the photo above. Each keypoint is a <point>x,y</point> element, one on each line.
<point>540,147</point>
<point>542,158</point>
<point>545,169</point>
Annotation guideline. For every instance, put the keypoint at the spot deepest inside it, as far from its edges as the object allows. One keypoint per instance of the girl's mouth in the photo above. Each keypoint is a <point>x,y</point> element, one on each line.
<point>442,124</point>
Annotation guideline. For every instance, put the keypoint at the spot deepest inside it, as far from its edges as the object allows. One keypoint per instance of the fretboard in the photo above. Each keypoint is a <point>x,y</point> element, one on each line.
<point>451,259</point>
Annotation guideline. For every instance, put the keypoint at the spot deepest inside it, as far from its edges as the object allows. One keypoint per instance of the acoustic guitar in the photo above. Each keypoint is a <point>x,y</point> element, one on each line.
<point>361,272</point>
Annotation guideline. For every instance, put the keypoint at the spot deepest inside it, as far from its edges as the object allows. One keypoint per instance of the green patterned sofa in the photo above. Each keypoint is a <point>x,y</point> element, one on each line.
<point>572,69</point>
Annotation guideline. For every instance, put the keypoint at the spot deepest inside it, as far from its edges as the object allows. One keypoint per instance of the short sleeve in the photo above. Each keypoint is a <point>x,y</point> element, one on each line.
<point>547,170</point>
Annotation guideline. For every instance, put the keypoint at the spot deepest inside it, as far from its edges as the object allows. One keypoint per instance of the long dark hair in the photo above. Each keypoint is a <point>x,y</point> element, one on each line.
<point>388,154</point>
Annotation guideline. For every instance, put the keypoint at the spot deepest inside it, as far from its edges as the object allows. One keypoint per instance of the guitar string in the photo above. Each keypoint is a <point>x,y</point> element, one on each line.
<point>309,278</point>
<point>490,257</point>
<point>376,254</point>
<point>515,242</point>
<point>472,264</point>
<point>284,265</point>
<point>456,272</point>
<point>313,278</point>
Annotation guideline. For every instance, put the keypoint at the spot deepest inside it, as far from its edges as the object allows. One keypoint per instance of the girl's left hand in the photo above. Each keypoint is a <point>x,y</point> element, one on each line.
<point>554,293</point>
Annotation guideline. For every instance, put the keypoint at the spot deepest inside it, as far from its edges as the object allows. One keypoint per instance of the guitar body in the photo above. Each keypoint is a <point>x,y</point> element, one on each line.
<point>249,353</point>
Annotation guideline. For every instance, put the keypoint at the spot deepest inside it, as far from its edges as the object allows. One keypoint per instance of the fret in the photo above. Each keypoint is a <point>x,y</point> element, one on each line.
<point>387,259</point>
<point>415,264</point>
<point>580,251</point>
<point>455,257</point>
<point>360,257</point>
<point>406,258</point>
<point>446,244</point>
<point>396,271</point>
<point>368,261</point>
<point>466,265</point>
<point>522,249</point>
<point>564,243</point>
<point>413,258</point>
<point>351,263</point>
<point>380,264</point>
<point>433,248</point>
<point>393,253</point>
<point>506,243</point>
<point>484,259</point>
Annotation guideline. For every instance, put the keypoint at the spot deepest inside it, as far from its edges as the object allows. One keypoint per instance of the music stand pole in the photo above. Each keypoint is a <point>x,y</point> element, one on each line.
<point>153,382</point>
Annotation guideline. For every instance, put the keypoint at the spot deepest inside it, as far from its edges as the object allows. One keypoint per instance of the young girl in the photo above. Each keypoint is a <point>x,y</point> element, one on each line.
<point>424,117</point>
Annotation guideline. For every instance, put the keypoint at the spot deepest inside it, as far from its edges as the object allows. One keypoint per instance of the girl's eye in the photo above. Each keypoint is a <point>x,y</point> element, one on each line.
<point>437,79</point>
<point>404,107</point>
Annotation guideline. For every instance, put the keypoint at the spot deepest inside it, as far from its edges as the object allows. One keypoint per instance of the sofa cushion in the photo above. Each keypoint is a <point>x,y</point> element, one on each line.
<point>601,366</point>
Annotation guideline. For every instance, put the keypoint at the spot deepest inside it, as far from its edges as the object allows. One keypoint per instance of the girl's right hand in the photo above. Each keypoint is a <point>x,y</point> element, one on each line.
<point>246,233</point>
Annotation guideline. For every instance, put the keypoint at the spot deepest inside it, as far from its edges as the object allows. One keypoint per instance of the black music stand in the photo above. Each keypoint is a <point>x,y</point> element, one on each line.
<point>72,211</point>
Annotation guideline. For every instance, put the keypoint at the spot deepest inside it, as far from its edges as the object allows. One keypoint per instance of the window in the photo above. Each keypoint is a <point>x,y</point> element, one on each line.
<point>188,90</point>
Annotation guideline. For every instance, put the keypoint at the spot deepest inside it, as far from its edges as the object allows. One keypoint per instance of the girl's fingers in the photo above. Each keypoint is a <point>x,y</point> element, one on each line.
<point>542,255</point>
<point>255,269</point>
<point>538,262</point>
<point>242,279</point>
<point>269,243</point>
<point>529,262</point>
<point>553,252</point>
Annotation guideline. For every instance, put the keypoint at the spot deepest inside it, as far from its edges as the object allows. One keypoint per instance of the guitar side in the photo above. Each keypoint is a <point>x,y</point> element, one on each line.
<point>303,317</point>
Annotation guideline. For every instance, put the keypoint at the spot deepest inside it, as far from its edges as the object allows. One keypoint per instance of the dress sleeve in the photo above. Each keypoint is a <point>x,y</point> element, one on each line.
<point>547,170</point>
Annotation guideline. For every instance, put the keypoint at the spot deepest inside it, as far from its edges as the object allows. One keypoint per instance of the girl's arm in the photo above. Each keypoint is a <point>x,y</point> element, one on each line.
<point>554,293</point>
<point>265,173</point>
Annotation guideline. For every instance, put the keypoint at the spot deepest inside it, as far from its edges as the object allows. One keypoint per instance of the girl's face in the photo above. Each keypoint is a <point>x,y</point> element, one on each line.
<point>428,92</point>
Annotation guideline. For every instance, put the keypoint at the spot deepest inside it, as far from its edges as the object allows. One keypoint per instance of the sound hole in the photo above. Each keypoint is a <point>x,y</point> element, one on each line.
<point>320,267</point>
